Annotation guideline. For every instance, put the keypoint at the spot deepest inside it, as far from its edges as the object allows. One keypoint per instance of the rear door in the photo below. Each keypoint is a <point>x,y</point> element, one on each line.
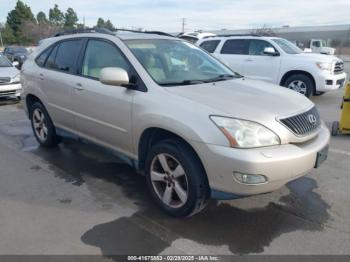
<point>233,53</point>
<point>103,112</point>
<point>56,78</point>
<point>259,65</point>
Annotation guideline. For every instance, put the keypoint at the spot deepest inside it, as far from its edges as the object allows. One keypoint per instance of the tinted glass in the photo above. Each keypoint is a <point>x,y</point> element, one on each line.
<point>50,63</point>
<point>235,47</point>
<point>256,47</point>
<point>210,46</point>
<point>40,60</point>
<point>100,54</point>
<point>66,56</point>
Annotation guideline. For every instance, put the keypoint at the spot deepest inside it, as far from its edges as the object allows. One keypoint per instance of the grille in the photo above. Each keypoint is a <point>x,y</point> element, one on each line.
<point>304,123</point>
<point>338,67</point>
<point>4,80</point>
<point>7,93</point>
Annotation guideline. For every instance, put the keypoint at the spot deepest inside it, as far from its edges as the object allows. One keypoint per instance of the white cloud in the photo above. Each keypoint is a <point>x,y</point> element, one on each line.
<point>166,15</point>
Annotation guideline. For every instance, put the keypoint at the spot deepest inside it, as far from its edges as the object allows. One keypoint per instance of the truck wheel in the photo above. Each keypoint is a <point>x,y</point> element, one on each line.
<point>43,128</point>
<point>335,128</point>
<point>300,83</point>
<point>176,178</point>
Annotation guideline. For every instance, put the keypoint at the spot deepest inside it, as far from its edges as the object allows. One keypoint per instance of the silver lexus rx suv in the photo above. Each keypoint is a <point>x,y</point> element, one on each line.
<point>197,129</point>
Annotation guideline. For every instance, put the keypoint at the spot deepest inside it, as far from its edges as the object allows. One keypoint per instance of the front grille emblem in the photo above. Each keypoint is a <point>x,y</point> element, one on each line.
<point>312,119</point>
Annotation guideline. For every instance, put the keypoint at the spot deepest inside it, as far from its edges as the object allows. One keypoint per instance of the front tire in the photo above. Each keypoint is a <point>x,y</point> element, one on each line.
<point>43,128</point>
<point>335,128</point>
<point>176,178</point>
<point>300,83</point>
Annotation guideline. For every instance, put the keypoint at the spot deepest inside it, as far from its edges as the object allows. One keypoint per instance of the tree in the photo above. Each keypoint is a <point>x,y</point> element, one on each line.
<point>109,25</point>
<point>100,22</point>
<point>16,18</point>
<point>70,18</point>
<point>41,18</point>
<point>7,35</point>
<point>56,17</point>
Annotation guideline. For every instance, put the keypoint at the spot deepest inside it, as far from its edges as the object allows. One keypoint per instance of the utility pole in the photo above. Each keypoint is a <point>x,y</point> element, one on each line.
<point>183,24</point>
<point>2,43</point>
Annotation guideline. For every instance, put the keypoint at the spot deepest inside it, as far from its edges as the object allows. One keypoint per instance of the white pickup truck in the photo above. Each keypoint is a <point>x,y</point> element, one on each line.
<point>277,60</point>
<point>319,46</point>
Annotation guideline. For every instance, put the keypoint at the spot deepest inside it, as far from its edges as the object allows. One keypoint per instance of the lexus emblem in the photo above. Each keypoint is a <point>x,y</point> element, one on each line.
<point>312,119</point>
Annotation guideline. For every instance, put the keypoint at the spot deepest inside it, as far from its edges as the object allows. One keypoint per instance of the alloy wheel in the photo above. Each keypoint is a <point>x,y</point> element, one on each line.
<point>298,86</point>
<point>39,124</point>
<point>169,180</point>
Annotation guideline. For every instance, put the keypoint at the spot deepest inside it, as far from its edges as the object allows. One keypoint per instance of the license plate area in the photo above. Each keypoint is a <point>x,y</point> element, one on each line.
<point>321,156</point>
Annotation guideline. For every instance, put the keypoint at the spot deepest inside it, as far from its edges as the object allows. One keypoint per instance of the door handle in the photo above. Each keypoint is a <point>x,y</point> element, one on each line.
<point>249,60</point>
<point>41,76</point>
<point>78,87</point>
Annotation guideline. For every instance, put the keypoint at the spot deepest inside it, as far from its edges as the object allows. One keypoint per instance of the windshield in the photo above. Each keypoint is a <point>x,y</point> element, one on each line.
<point>174,62</point>
<point>287,46</point>
<point>4,62</point>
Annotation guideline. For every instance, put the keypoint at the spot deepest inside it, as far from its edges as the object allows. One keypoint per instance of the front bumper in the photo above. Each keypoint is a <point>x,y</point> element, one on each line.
<point>10,90</point>
<point>329,82</point>
<point>280,164</point>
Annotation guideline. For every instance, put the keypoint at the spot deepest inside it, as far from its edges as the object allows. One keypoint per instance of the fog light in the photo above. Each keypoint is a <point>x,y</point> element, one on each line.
<point>250,179</point>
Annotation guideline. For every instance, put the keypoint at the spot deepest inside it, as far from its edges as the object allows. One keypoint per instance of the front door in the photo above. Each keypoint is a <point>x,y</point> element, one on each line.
<point>103,112</point>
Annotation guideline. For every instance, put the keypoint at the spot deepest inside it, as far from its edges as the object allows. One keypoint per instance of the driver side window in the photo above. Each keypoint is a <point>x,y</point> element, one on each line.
<point>256,47</point>
<point>100,54</point>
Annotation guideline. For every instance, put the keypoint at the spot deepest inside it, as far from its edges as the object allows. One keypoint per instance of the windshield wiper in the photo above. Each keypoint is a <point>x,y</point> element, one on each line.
<point>183,83</point>
<point>222,77</point>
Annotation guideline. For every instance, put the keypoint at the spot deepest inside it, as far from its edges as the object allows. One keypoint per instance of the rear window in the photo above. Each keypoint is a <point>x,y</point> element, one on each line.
<point>235,47</point>
<point>210,45</point>
<point>66,56</point>
<point>41,59</point>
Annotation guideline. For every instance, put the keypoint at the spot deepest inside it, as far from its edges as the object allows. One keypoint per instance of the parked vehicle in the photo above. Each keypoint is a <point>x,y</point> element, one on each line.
<point>10,85</point>
<point>195,128</point>
<point>278,61</point>
<point>193,37</point>
<point>319,46</point>
<point>16,53</point>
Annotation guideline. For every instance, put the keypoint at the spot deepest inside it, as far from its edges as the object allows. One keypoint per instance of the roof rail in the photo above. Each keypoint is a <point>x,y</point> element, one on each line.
<point>228,35</point>
<point>145,32</point>
<point>85,30</point>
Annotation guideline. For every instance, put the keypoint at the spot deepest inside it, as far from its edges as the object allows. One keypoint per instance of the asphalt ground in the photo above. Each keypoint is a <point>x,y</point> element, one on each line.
<point>78,199</point>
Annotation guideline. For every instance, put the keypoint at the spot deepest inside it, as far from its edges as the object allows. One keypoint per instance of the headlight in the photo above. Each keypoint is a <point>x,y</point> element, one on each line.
<point>245,134</point>
<point>325,66</point>
<point>16,79</point>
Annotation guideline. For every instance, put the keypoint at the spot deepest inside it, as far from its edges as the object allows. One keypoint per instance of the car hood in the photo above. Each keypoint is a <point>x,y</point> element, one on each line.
<point>8,71</point>
<point>245,99</point>
<point>318,57</point>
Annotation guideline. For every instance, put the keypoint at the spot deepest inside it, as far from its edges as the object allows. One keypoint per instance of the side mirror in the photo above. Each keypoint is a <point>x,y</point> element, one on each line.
<point>270,51</point>
<point>114,76</point>
<point>15,63</point>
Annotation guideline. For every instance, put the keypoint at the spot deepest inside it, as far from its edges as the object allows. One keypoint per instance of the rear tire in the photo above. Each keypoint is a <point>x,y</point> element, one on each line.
<point>42,125</point>
<point>189,188</point>
<point>300,83</point>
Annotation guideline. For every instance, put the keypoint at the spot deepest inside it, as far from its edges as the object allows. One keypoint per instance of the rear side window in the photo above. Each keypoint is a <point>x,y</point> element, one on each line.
<point>235,47</point>
<point>50,63</point>
<point>40,60</point>
<point>66,56</point>
<point>210,46</point>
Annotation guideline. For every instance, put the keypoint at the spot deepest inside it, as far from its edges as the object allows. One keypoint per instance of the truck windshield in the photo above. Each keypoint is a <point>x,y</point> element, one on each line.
<point>4,62</point>
<point>175,62</point>
<point>287,46</point>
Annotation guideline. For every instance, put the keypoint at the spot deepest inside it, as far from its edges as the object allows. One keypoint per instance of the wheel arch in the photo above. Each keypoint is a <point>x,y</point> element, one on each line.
<point>151,135</point>
<point>296,72</point>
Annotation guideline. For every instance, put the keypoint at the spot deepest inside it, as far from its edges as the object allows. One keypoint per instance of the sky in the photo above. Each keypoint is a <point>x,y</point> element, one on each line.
<point>166,15</point>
